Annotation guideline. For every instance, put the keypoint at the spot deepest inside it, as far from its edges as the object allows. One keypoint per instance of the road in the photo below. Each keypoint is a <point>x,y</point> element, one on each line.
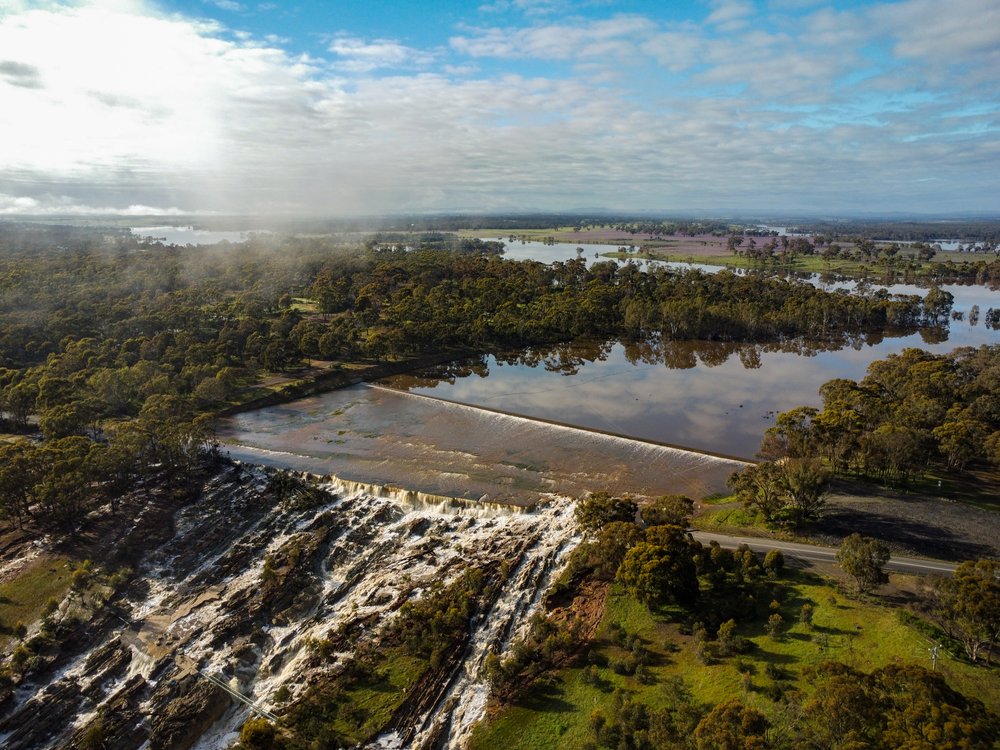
<point>815,553</point>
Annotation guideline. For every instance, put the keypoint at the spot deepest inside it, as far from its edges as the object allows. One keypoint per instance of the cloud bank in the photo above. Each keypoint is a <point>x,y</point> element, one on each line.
<point>883,107</point>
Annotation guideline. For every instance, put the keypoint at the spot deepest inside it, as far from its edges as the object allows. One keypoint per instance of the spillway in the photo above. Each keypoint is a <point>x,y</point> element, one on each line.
<point>390,437</point>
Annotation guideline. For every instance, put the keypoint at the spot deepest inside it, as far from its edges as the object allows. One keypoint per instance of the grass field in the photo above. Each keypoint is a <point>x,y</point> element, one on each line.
<point>864,635</point>
<point>372,703</point>
<point>23,598</point>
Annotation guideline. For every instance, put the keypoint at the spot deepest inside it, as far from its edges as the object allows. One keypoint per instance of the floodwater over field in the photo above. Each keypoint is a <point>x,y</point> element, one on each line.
<point>384,436</point>
<point>173,235</point>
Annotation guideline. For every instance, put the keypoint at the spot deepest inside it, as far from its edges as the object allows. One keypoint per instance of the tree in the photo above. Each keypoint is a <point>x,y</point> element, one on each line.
<point>804,481</point>
<point>21,468</point>
<point>610,546</point>
<point>863,559</point>
<point>732,726</point>
<point>775,625</point>
<point>793,435</point>
<point>259,734</point>
<point>758,488</point>
<point>669,510</point>
<point>19,401</point>
<point>729,641</point>
<point>657,574</point>
<point>961,437</point>
<point>842,712</point>
<point>968,605</point>
<point>792,489</point>
<point>602,508</point>
<point>774,562</point>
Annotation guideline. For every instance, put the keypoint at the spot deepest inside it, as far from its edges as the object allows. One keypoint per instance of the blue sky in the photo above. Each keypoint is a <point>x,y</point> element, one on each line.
<point>339,108</point>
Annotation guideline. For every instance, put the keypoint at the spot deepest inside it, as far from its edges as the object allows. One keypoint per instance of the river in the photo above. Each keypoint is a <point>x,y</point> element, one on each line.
<point>711,397</point>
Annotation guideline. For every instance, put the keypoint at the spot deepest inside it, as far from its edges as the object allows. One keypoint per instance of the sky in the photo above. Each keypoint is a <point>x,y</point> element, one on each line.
<point>135,107</point>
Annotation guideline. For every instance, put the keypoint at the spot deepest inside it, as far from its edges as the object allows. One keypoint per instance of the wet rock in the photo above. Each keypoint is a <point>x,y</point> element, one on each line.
<point>185,718</point>
<point>119,724</point>
<point>42,718</point>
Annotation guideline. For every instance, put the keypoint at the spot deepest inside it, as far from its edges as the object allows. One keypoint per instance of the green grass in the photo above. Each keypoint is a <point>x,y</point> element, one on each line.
<point>719,499</point>
<point>729,519</point>
<point>377,699</point>
<point>864,635</point>
<point>23,599</point>
<point>304,305</point>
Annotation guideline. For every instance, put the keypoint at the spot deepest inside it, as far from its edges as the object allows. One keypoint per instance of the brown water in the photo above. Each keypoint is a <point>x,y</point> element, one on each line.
<point>382,436</point>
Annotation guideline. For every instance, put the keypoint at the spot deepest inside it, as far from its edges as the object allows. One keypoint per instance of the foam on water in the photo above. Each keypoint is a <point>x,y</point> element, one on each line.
<point>450,449</point>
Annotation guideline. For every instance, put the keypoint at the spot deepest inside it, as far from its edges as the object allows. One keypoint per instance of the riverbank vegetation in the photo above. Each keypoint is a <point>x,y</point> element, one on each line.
<point>755,654</point>
<point>912,413</point>
<point>884,262</point>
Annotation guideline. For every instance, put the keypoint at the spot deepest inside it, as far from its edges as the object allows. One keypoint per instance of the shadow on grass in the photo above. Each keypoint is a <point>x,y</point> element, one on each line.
<point>933,540</point>
<point>544,697</point>
<point>828,630</point>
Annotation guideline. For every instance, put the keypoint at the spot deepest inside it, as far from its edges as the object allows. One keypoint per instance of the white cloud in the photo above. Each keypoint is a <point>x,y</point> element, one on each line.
<point>66,206</point>
<point>730,15</point>
<point>960,36</point>
<point>611,39</point>
<point>358,56</point>
<point>119,106</point>
<point>230,5</point>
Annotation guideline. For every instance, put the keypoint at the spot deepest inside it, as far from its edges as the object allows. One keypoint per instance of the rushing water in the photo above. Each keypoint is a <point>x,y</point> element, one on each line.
<point>388,437</point>
<point>200,604</point>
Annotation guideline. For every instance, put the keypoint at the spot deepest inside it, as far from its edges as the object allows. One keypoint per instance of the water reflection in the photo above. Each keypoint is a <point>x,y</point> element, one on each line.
<point>707,395</point>
<point>895,281</point>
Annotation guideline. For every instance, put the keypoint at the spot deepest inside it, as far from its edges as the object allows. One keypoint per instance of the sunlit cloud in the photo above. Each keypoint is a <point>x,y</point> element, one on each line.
<point>790,105</point>
<point>66,206</point>
<point>359,56</point>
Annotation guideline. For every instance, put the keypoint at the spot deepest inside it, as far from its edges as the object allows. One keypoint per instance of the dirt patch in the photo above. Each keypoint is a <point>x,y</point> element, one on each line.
<point>587,609</point>
<point>912,524</point>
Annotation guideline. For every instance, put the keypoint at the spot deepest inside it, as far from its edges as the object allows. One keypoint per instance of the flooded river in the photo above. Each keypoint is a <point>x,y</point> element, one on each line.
<point>710,397</point>
<point>385,436</point>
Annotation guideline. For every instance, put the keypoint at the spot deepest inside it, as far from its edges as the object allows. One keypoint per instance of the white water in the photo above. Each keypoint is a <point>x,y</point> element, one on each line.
<point>383,546</point>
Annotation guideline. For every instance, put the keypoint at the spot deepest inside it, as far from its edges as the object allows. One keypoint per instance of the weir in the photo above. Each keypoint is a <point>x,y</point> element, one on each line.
<point>556,424</point>
<point>380,437</point>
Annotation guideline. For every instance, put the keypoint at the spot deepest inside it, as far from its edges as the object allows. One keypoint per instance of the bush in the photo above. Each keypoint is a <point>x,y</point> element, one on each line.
<point>806,614</point>
<point>775,625</point>
<point>259,734</point>
<point>774,562</point>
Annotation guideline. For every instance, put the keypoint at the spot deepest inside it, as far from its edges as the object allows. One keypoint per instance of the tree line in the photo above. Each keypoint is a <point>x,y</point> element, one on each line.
<point>911,410</point>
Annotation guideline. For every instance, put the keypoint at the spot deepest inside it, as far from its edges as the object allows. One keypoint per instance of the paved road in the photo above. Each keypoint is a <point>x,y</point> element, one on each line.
<point>815,553</point>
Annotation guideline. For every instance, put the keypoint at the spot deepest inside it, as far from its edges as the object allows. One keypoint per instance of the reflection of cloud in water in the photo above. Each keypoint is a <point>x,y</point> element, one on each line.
<point>699,407</point>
